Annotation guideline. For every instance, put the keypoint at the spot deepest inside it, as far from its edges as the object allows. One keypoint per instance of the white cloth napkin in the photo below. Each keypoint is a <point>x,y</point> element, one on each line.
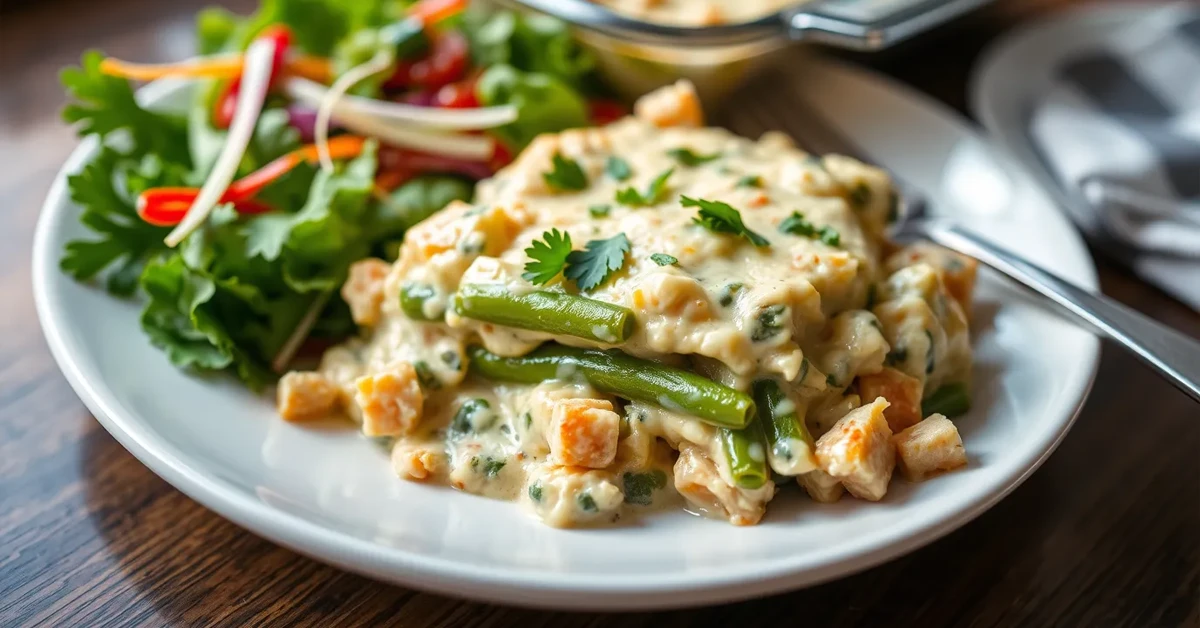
<point>1120,129</point>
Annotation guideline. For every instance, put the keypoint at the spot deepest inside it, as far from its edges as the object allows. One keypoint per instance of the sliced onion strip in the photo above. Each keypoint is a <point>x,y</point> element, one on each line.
<point>255,80</point>
<point>376,64</point>
<point>313,93</point>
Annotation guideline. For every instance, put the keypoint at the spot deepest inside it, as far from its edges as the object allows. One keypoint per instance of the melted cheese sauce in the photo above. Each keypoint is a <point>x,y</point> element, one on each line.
<point>814,314</point>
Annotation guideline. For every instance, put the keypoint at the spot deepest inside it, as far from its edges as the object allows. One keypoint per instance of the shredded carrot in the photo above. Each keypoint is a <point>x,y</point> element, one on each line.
<point>434,11</point>
<point>219,67</point>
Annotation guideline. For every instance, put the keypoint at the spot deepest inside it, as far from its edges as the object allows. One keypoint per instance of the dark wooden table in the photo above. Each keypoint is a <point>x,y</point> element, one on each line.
<point>1107,533</point>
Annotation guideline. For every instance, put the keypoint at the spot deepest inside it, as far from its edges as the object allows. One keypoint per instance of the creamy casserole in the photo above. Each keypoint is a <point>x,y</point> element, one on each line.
<point>727,316</point>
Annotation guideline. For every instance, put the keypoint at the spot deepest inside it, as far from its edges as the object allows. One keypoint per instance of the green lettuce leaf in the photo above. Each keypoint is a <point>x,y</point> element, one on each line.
<point>544,103</point>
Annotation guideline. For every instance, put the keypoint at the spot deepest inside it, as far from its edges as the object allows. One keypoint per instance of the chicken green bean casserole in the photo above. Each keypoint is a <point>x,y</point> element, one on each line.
<point>654,313</point>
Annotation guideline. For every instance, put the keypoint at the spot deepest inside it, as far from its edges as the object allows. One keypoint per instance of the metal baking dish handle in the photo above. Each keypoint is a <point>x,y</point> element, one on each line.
<point>841,23</point>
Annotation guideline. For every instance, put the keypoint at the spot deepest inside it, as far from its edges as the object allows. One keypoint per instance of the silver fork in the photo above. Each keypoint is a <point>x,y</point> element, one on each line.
<point>1172,354</point>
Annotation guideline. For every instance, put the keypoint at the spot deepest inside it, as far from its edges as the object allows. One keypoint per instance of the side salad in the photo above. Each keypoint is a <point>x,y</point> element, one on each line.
<point>318,132</point>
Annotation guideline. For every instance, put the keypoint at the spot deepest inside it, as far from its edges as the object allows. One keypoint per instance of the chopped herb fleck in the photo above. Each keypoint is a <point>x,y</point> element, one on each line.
<point>597,261</point>
<point>528,420</point>
<point>688,157</point>
<point>452,359</point>
<point>750,181</point>
<point>640,487</point>
<point>618,168</point>
<point>492,466</point>
<point>831,380</point>
<point>872,295</point>
<point>896,356</point>
<point>654,192</point>
<point>829,236</point>
<point>600,210</point>
<point>425,375</point>
<point>549,256</point>
<point>566,175</point>
<point>662,259</point>
<point>859,195</point>
<point>720,217</point>
<point>586,503</point>
<point>803,371</point>
<point>473,415</point>
<point>797,224</point>
<point>535,491</point>
<point>729,293</point>
<point>769,322</point>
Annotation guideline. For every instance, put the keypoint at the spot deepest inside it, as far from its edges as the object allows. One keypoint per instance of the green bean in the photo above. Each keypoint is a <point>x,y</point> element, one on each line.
<point>746,452</point>
<point>791,446</point>
<point>614,372</point>
<point>950,400</point>
<point>413,296</point>
<point>551,312</point>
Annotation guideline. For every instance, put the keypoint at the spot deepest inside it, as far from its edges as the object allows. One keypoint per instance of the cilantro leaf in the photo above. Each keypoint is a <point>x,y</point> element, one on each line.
<point>640,487</point>
<point>549,257</point>
<point>653,195</point>
<point>720,217</point>
<point>103,104</point>
<point>600,258</point>
<point>688,157</point>
<point>662,259</point>
<point>618,168</point>
<point>566,175</point>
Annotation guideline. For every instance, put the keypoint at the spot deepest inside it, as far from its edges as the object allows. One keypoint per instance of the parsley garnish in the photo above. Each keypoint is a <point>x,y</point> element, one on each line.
<point>601,210</point>
<point>750,181</point>
<point>535,491</point>
<point>618,168</point>
<point>599,259</point>
<point>465,420</point>
<point>566,175</point>
<point>769,322</point>
<point>729,293</point>
<point>425,375</point>
<point>549,257</point>
<point>492,466</point>
<point>653,194</point>
<point>688,157</point>
<point>719,217</point>
<point>662,259</point>
<point>586,503</point>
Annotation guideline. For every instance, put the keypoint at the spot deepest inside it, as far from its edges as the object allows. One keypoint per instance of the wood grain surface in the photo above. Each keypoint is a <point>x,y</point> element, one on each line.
<point>1107,533</point>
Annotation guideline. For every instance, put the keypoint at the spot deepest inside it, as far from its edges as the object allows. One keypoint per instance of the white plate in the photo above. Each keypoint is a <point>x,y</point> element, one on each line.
<point>331,495</point>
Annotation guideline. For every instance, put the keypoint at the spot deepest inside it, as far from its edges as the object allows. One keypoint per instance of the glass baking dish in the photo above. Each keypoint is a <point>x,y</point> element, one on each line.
<point>637,56</point>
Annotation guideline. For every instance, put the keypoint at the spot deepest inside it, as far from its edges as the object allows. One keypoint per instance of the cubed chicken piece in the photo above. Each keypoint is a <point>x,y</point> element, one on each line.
<point>418,461</point>
<point>902,391</point>
<point>929,447</point>
<point>363,290</point>
<point>680,297</point>
<point>583,433</point>
<point>821,486</point>
<point>672,105</point>
<point>858,451</point>
<point>306,396</point>
<point>389,401</point>
<point>956,270</point>
<point>699,482</point>
<point>570,496</point>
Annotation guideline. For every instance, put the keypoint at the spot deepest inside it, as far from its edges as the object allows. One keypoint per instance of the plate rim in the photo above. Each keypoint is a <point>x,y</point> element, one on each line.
<point>493,584</point>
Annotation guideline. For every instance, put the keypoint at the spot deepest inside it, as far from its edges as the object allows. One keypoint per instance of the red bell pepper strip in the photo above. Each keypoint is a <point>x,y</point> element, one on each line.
<point>460,95</point>
<point>604,111</point>
<point>446,62</point>
<point>226,103</point>
<point>167,206</point>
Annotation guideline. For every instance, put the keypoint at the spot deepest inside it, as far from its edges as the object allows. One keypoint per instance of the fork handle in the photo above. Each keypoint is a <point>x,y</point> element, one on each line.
<point>1174,355</point>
